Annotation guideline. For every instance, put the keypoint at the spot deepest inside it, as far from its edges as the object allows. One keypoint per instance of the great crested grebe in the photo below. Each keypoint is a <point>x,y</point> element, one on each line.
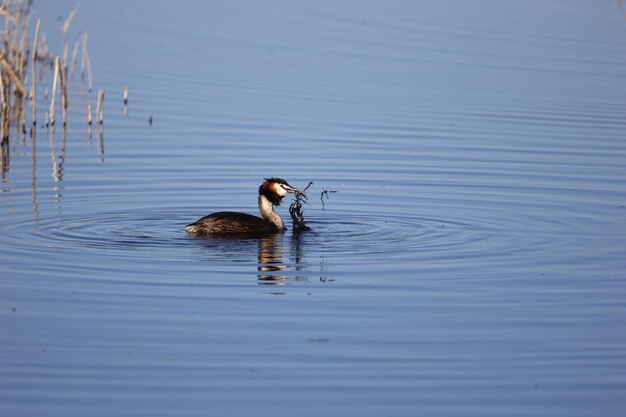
<point>271,192</point>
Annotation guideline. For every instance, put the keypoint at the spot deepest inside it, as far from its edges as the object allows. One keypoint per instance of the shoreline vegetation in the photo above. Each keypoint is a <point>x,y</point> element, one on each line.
<point>28,68</point>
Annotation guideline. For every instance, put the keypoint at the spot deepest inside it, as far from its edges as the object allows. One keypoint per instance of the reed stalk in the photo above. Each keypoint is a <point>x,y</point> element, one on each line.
<point>22,52</point>
<point>63,85</point>
<point>7,27</point>
<point>4,127</point>
<point>34,73</point>
<point>57,64</point>
<point>100,107</point>
<point>19,87</point>
<point>86,65</point>
<point>43,55</point>
<point>66,27</point>
<point>74,59</point>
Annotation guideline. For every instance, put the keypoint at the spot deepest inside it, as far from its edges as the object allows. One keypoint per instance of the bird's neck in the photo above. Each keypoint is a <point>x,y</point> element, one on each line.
<point>268,213</point>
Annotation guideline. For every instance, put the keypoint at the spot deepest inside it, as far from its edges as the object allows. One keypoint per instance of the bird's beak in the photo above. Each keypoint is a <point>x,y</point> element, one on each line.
<point>291,189</point>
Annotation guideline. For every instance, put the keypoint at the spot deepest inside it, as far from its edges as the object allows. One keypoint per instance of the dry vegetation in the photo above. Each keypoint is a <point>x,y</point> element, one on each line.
<point>24,64</point>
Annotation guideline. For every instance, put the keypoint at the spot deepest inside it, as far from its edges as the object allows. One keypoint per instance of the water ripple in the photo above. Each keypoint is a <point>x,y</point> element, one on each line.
<point>338,235</point>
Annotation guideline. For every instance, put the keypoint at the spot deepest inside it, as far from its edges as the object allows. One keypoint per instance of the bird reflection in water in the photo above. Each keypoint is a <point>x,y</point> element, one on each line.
<point>277,255</point>
<point>270,258</point>
<point>272,267</point>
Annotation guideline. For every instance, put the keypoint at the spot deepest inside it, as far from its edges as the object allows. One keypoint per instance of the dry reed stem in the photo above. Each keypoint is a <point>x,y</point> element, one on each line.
<point>2,98</point>
<point>66,27</point>
<point>43,55</point>
<point>5,13</point>
<point>24,23</point>
<point>89,78</point>
<point>3,106</point>
<point>86,64</point>
<point>74,58</point>
<point>4,128</point>
<point>18,83</point>
<point>7,26</point>
<point>34,72</point>
<point>22,59</point>
<point>63,86</point>
<point>57,63</point>
<point>83,58</point>
<point>7,29</point>
<point>100,107</point>
<point>98,104</point>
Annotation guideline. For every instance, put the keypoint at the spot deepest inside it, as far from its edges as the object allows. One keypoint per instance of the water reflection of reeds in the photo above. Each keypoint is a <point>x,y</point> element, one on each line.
<point>34,176</point>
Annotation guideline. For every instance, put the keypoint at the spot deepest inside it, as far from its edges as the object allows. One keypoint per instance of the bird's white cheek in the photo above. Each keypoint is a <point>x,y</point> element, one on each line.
<point>280,191</point>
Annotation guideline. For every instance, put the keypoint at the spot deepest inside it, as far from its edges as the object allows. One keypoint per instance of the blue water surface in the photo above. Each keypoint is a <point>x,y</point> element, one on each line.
<point>470,262</point>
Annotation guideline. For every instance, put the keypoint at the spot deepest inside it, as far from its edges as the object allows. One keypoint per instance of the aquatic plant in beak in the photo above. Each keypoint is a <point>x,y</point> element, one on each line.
<point>296,212</point>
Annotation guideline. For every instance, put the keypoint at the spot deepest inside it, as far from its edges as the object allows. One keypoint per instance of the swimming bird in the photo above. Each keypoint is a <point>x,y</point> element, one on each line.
<point>271,192</point>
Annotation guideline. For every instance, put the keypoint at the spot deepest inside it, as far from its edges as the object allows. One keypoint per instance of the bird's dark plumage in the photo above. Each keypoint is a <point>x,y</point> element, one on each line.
<point>231,223</point>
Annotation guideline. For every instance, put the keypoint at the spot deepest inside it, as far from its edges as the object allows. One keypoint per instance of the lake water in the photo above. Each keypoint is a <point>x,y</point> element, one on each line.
<point>471,263</point>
